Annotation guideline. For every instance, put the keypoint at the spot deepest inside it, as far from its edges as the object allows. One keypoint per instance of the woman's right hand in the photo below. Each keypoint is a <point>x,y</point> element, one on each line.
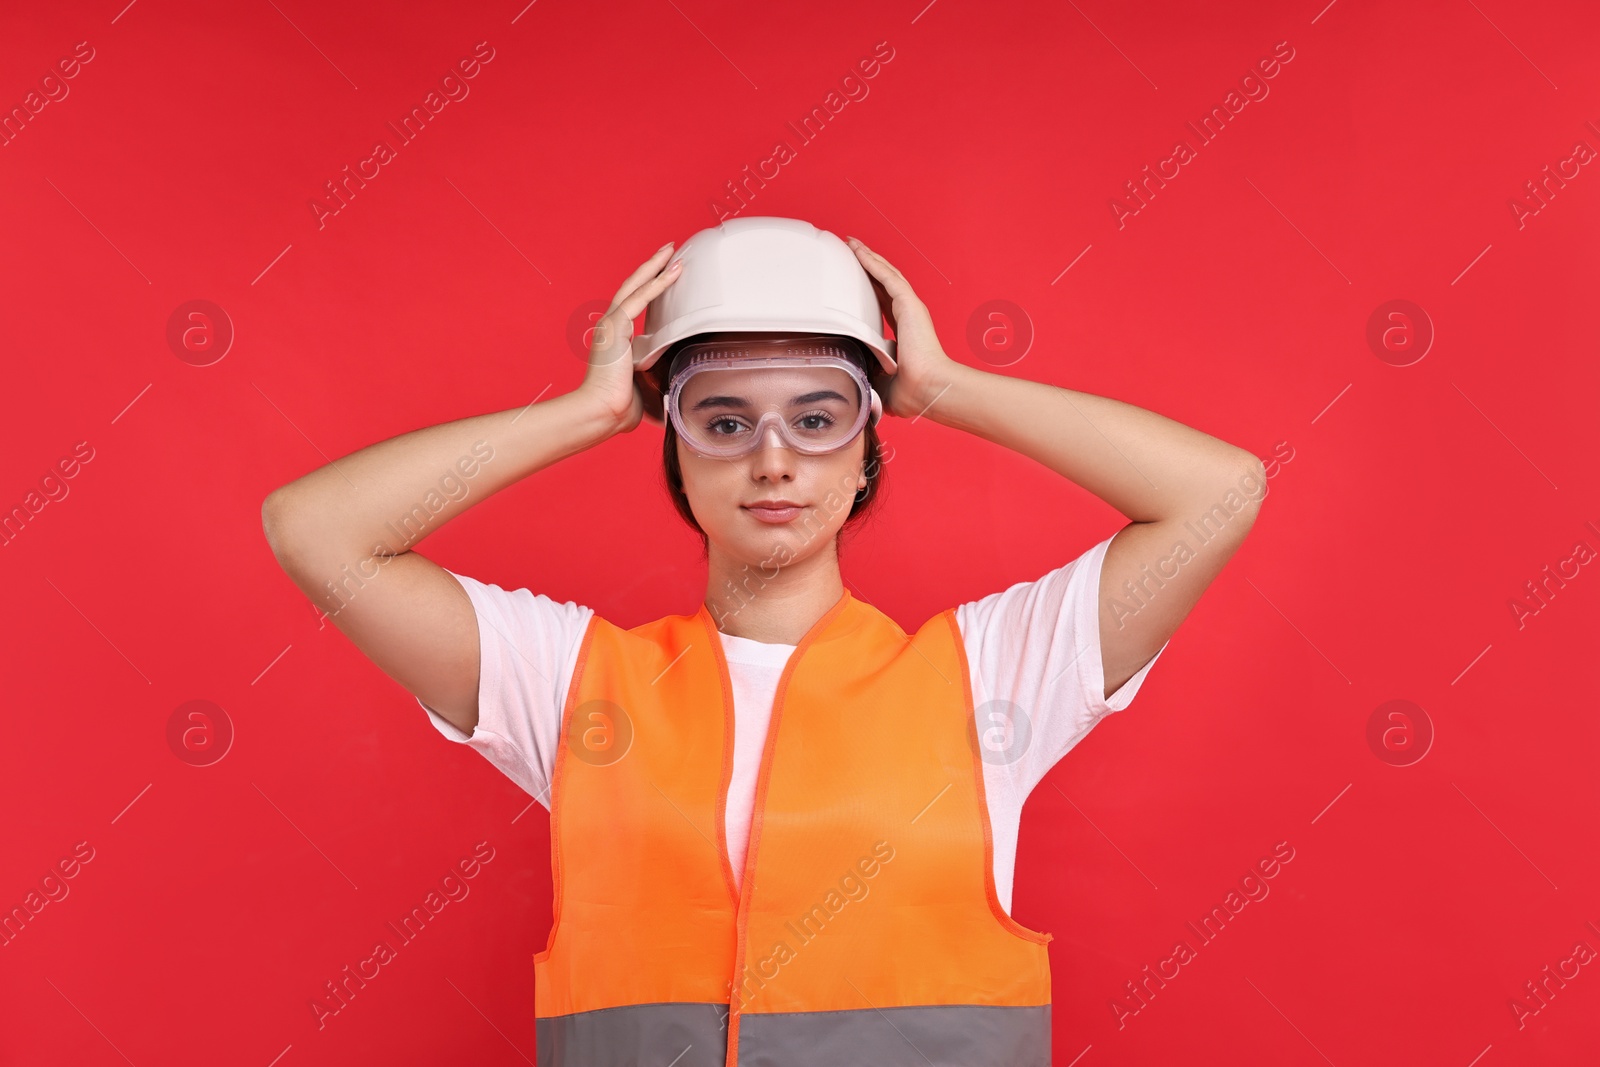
<point>609,380</point>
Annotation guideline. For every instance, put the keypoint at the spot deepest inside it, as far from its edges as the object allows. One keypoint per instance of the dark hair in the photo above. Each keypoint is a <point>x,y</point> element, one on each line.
<point>872,460</point>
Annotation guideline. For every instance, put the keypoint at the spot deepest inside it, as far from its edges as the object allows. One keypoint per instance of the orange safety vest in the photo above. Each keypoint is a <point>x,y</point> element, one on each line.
<point>865,929</point>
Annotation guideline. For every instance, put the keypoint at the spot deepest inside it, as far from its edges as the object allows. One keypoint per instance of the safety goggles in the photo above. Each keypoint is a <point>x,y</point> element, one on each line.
<point>730,398</point>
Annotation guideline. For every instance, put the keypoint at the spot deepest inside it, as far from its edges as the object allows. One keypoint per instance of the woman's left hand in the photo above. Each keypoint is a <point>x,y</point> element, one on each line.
<point>923,371</point>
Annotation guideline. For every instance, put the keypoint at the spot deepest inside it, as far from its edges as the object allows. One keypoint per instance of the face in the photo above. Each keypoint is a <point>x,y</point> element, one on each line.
<point>724,493</point>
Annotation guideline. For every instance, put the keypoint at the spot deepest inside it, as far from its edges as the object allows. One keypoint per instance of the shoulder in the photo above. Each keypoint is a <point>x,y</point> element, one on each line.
<point>522,606</point>
<point>1026,606</point>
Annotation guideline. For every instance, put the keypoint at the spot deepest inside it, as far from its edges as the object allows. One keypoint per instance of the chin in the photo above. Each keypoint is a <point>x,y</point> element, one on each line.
<point>761,544</point>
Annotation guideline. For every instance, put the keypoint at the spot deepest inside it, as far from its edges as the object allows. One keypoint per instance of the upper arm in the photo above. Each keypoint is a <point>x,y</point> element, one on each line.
<point>404,612</point>
<point>1154,573</point>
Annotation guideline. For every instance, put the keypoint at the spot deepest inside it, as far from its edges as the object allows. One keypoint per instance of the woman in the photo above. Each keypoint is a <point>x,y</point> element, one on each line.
<point>782,828</point>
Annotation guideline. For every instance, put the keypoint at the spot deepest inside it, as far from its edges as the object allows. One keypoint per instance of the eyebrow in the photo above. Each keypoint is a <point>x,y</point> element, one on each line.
<point>739,401</point>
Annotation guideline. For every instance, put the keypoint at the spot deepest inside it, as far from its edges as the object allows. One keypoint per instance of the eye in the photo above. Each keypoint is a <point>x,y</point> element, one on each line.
<point>715,426</point>
<point>816,421</point>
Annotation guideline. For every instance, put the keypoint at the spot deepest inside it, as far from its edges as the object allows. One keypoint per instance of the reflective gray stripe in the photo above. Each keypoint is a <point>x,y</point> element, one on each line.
<point>944,1035</point>
<point>694,1035</point>
<point>637,1035</point>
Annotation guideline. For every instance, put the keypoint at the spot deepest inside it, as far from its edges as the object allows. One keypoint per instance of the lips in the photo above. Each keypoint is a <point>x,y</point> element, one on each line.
<point>774,511</point>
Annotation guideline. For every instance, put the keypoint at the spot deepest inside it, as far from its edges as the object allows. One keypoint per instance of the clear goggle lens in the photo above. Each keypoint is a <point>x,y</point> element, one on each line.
<point>734,401</point>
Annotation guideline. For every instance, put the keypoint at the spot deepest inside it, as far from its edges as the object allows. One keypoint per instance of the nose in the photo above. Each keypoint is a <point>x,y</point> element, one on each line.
<point>771,438</point>
<point>772,457</point>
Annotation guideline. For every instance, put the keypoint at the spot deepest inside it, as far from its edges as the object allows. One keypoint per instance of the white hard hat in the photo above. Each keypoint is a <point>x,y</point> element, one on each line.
<point>765,274</point>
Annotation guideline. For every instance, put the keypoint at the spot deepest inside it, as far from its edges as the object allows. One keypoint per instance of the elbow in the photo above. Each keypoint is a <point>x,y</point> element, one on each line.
<point>1234,499</point>
<point>1252,483</point>
<point>1254,476</point>
<point>275,524</point>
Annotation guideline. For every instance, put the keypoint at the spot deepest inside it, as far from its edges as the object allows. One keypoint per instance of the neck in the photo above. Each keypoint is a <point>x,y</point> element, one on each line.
<point>773,603</point>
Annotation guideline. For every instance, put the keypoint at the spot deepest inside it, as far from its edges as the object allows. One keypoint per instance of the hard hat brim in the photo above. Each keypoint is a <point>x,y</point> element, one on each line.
<point>769,275</point>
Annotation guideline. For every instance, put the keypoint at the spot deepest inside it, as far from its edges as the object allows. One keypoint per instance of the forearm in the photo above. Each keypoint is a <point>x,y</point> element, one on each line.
<point>383,499</point>
<point>1145,465</point>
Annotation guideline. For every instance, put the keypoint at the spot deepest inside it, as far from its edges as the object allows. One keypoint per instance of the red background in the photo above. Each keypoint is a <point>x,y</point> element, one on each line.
<point>1418,501</point>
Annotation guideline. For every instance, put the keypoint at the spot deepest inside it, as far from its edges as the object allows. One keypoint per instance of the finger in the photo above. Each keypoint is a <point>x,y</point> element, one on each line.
<point>635,302</point>
<point>887,283</point>
<point>888,270</point>
<point>647,269</point>
<point>882,270</point>
<point>616,327</point>
<point>860,246</point>
<point>632,299</point>
<point>885,303</point>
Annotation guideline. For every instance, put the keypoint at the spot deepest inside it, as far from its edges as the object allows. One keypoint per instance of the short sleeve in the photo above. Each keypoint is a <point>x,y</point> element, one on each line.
<point>1033,651</point>
<point>528,649</point>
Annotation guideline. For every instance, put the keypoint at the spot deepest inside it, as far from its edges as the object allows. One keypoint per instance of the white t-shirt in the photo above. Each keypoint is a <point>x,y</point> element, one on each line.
<point>1033,651</point>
